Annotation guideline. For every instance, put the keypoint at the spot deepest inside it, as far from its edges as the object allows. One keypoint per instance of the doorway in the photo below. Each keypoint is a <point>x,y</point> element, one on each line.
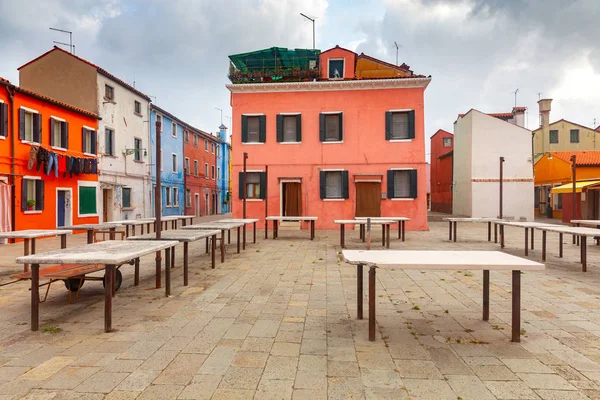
<point>107,199</point>
<point>197,204</point>
<point>368,199</point>
<point>206,204</point>
<point>63,207</point>
<point>291,199</point>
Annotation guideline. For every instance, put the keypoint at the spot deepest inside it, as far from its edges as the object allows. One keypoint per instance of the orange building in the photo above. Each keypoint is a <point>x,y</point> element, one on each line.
<point>342,136</point>
<point>48,159</point>
<point>442,155</point>
<point>554,187</point>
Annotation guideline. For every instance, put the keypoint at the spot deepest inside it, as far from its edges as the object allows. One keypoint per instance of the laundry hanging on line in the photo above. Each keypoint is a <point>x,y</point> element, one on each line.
<point>60,163</point>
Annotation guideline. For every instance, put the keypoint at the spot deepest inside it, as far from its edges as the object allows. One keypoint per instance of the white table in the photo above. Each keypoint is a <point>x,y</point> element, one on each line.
<point>29,236</point>
<point>587,222</point>
<point>281,218</point>
<point>109,253</point>
<point>401,225</point>
<point>148,222</point>
<point>485,261</point>
<point>223,226</point>
<point>184,236</point>
<point>385,229</point>
<point>90,228</point>
<point>453,222</point>
<point>579,232</point>
<point>527,225</point>
<point>244,221</point>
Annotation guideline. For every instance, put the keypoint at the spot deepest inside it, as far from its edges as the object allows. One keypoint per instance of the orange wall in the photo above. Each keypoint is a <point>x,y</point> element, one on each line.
<point>554,170</point>
<point>364,150</point>
<point>338,52</point>
<point>45,219</point>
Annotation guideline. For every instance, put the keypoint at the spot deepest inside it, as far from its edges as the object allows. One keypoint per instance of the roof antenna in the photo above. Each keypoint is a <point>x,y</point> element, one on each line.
<point>396,44</point>
<point>313,23</point>
<point>70,44</point>
<point>539,95</point>
<point>515,92</point>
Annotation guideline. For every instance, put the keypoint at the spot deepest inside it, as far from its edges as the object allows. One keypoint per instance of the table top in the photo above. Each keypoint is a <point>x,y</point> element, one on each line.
<point>181,235</point>
<point>526,224</point>
<point>33,233</point>
<point>284,218</point>
<point>593,222</point>
<point>441,260</point>
<point>242,220</point>
<point>576,230</point>
<point>170,218</point>
<point>107,252</point>
<point>363,221</point>
<point>87,227</point>
<point>469,219</point>
<point>385,218</point>
<point>142,221</point>
<point>213,225</point>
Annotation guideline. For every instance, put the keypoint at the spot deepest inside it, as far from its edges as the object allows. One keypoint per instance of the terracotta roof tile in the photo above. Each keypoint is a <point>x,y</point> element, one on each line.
<point>402,67</point>
<point>584,158</point>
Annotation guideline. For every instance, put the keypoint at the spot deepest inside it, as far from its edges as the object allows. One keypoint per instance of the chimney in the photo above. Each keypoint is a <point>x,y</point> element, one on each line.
<point>223,133</point>
<point>519,116</point>
<point>544,105</point>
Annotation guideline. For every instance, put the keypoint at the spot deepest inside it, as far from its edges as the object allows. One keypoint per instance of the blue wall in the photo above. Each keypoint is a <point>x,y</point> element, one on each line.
<point>169,145</point>
<point>223,163</point>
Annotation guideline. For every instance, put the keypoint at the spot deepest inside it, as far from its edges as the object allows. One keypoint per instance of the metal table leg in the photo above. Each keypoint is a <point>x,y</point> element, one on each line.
<point>359,291</point>
<point>185,263</point>
<point>238,240</point>
<point>486,295</point>
<point>516,306</point>
<point>35,297</point>
<point>109,273</point>
<point>167,272</point>
<point>372,300</point>
<point>342,231</point>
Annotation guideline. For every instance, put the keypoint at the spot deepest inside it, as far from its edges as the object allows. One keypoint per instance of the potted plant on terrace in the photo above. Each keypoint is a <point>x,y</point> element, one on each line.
<point>30,204</point>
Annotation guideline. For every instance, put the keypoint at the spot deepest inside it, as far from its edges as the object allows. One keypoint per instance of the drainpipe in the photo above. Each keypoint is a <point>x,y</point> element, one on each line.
<point>13,205</point>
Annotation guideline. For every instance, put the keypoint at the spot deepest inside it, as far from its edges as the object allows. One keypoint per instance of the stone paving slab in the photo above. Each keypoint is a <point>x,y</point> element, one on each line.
<point>279,322</point>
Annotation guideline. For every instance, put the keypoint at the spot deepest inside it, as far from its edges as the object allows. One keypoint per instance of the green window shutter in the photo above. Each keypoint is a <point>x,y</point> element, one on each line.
<point>94,140</point>
<point>279,128</point>
<point>390,184</point>
<point>83,137</point>
<point>262,128</point>
<point>39,195</point>
<point>241,185</point>
<point>388,125</point>
<point>37,128</point>
<point>244,129</point>
<point>411,124</point>
<point>87,200</point>
<point>21,124</point>
<point>413,183</point>
<point>23,194</point>
<point>65,135</point>
<point>345,185</point>
<point>51,121</point>
<point>322,128</point>
<point>341,126</point>
<point>299,128</point>
<point>322,184</point>
<point>263,185</point>
<point>3,119</point>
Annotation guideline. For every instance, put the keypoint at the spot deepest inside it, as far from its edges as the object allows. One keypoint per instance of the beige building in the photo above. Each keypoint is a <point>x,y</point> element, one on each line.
<point>561,135</point>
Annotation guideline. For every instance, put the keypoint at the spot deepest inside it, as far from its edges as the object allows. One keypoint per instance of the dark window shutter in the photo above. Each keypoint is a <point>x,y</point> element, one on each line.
<point>345,185</point>
<point>322,129</point>
<point>341,126</point>
<point>280,128</point>
<point>413,183</point>
<point>52,132</point>
<point>93,138</point>
<point>64,137</point>
<point>37,128</point>
<point>3,119</point>
<point>39,195</point>
<point>262,128</point>
<point>299,128</point>
<point>390,184</point>
<point>21,124</point>
<point>411,124</point>
<point>322,184</point>
<point>83,137</point>
<point>23,193</point>
<point>388,125</point>
<point>244,129</point>
<point>241,186</point>
<point>263,185</point>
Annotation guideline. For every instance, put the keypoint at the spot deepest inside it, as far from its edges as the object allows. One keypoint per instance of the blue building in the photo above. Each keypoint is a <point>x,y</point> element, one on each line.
<point>223,165</point>
<point>172,171</point>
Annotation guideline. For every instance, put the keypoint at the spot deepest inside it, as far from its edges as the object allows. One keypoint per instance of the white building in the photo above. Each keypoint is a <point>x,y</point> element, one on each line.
<point>479,142</point>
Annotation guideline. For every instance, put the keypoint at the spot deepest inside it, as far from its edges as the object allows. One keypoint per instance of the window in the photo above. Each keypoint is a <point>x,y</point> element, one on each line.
<point>399,125</point>
<point>174,159</point>
<point>109,141</point>
<point>331,127</point>
<point>219,173</point>
<point>30,126</point>
<point>137,107</point>
<point>254,129</point>
<point>206,170</point>
<point>402,184</point>
<point>168,195</point>
<point>212,146</point>
<point>212,172</point>
<point>159,119</point>
<point>205,145</point>
<point>195,140</point>
<point>59,133</point>
<point>162,160</point>
<point>574,135</point>
<point>186,136</point>
<point>188,198</point>
<point>253,186</point>
<point>3,119</point>
<point>109,92</point>
<point>558,204</point>
<point>336,69</point>
<point>218,151</point>
<point>187,166</point>
<point>289,128</point>
<point>196,167</point>
<point>334,184</point>
<point>137,144</point>
<point>553,136</point>
<point>447,142</point>
<point>175,197</point>
<point>126,197</point>
<point>174,129</point>
<point>87,200</point>
<point>88,140</point>
<point>32,195</point>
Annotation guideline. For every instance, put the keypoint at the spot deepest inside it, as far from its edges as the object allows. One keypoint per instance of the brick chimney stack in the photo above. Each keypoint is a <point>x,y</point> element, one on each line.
<point>545,105</point>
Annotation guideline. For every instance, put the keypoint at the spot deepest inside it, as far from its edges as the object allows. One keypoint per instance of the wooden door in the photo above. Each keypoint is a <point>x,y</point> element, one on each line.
<point>105,197</point>
<point>368,199</point>
<point>292,199</point>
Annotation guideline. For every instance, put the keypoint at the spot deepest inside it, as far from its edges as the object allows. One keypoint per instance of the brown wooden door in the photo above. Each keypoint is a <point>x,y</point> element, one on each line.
<point>292,199</point>
<point>105,205</point>
<point>368,199</point>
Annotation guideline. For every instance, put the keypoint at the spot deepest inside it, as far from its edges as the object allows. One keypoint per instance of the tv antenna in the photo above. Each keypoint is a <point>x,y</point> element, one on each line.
<point>515,92</point>
<point>313,24</point>
<point>396,44</point>
<point>219,109</point>
<point>539,95</point>
<point>70,44</point>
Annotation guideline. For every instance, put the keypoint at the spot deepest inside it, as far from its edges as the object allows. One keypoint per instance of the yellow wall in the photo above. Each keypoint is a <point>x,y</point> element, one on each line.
<point>588,139</point>
<point>370,69</point>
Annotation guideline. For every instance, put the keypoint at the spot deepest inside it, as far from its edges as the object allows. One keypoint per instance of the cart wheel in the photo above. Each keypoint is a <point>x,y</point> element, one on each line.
<point>72,284</point>
<point>118,281</point>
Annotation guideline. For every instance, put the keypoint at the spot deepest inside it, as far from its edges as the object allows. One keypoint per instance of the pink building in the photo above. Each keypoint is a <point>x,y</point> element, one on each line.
<point>342,136</point>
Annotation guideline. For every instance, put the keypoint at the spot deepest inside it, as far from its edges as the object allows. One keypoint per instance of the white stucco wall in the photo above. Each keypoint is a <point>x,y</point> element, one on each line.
<point>120,170</point>
<point>461,187</point>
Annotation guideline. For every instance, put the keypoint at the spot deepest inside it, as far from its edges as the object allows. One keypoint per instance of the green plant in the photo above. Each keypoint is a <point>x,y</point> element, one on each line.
<point>416,308</point>
<point>30,203</point>
<point>52,329</point>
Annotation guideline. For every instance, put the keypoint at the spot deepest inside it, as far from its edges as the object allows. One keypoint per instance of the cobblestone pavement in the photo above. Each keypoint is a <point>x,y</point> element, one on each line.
<point>278,322</point>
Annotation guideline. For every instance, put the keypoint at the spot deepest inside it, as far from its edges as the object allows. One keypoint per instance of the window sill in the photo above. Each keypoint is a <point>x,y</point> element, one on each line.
<point>333,199</point>
<point>252,143</point>
<point>87,215</point>
<point>138,114</point>
<point>2,137</point>
<point>290,142</point>
<point>400,140</point>
<point>58,148</point>
<point>24,141</point>
<point>90,154</point>
<point>333,142</point>
<point>32,212</point>
<point>107,155</point>
<point>138,161</point>
<point>402,199</point>
<point>255,200</point>
<point>107,100</point>
<point>127,208</point>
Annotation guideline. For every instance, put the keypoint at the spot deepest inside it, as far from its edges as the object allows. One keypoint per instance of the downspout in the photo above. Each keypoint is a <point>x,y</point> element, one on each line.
<point>13,205</point>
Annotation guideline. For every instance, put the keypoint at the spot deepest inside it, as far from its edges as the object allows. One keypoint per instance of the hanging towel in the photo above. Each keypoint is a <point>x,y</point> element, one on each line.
<point>5,197</point>
<point>32,157</point>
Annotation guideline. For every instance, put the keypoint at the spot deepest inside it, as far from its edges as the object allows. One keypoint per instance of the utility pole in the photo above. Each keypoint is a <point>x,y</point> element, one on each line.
<point>71,47</point>
<point>157,201</point>
<point>217,108</point>
<point>516,91</point>
<point>313,24</point>
<point>574,171</point>
<point>245,193</point>
<point>500,211</point>
<point>396,44</point>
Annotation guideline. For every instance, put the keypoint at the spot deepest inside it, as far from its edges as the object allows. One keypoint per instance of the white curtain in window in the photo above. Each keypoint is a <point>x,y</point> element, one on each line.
<point>400,125</point>
<point>289,128</point>
<point>332,128</point>
<point>402,184</point>
<point>253,124</point>
<point>333,185</point>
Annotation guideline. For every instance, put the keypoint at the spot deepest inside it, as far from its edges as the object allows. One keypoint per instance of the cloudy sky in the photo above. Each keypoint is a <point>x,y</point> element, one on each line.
<point>478,51</point>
